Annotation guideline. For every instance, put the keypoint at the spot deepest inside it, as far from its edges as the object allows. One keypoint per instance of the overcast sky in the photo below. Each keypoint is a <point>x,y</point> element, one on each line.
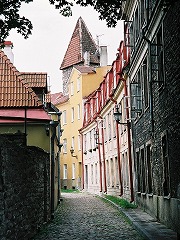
<point>44,50</point>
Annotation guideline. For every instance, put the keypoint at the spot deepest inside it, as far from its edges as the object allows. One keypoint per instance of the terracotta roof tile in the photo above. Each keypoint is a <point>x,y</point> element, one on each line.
<point>35,79</point>
<point>85,69</point>
<point>81,42</point>
<point>14,91</point>
<point>57,98</point>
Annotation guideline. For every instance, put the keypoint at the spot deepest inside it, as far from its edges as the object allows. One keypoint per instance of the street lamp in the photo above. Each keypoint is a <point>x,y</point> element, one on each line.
<point>72,152</point>
<point>118,114</point>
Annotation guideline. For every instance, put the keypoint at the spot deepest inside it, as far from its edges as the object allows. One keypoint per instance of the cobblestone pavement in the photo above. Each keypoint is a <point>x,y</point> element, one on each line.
<point>82,216</point>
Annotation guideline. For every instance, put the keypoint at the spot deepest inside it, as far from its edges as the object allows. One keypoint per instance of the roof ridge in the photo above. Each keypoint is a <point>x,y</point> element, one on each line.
<point>18,87</point>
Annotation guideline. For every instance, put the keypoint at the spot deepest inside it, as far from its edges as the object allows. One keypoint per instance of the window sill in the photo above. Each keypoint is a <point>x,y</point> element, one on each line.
<point>150,194</point>
<point>167,197</point>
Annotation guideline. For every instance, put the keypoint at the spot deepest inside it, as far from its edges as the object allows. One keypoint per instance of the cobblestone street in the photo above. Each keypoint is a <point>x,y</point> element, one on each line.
<point>82,216</point>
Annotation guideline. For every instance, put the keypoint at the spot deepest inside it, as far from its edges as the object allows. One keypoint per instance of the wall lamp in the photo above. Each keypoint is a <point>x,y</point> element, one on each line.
<point>96,136</point>
<point>72,152</point>
<point>118,114</point>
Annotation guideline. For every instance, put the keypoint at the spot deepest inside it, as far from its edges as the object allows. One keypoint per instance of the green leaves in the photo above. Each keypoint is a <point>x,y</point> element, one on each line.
<point>10,19</point>
<point>110,11</point>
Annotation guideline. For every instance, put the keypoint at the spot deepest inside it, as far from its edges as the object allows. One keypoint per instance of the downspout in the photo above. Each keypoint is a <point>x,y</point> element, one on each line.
<point>53,125</point>
<point>150,86</point>
<point>119,160</point>
<point>58,155</point>
<point>100,163</point>
<point>129,141</point>
<point>25,124</point>
<point>82,184</point>
<point>104,161</point>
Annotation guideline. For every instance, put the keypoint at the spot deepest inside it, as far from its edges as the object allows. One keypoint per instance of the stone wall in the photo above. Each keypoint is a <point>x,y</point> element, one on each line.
<point>24,188</point>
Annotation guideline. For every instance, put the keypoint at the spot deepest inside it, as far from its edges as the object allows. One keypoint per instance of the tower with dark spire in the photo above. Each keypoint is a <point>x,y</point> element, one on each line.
<point>82,50</point>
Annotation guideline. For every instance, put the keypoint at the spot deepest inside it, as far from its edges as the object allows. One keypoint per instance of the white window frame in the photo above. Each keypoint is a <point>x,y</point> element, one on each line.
<point>72,114</point>
<point>78,84</point>
<point>73,171</point>
<point>72,142</point>
<point>65,145</point>
<point>79,142</point>
<point>78,111</point>
<point>65,171</point>
<point>64,118</point>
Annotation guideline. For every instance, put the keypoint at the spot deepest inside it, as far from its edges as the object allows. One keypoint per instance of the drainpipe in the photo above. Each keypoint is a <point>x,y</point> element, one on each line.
<point>129,141</point>
<point>58,154</point>
<point>100,163</point>
<point>82,184</point>
<point>119,159</point>
<point>59,146</point>
<point>104,161</point>
<point>53,125</point>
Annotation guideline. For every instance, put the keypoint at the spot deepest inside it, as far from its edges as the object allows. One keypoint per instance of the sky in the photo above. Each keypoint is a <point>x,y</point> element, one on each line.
<point>44,50</point>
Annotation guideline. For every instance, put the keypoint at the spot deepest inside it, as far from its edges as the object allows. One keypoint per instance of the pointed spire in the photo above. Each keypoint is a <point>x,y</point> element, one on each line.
<point>81,42</point>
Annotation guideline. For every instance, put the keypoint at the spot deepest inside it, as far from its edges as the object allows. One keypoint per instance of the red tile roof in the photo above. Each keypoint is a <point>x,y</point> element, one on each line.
<point>57,98</point>
<point>14,91</point>
<point>81,42</point>
<point>35,79</point>
<point>85,69</point>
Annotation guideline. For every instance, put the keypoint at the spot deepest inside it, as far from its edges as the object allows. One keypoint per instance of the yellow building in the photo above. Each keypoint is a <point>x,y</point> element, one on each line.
<point>83,80</point>
<point>83,68</point>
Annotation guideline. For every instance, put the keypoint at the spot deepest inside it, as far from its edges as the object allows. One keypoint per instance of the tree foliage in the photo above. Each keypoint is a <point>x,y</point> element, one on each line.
<point>109,10</point>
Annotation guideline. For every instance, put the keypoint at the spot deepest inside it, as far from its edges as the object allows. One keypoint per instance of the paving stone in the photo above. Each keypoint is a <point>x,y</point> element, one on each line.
<point>81,216</point>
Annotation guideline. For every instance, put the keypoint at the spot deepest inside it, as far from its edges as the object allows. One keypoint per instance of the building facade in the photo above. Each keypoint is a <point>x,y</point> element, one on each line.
<point>107,159</point>
<point>152,35</point>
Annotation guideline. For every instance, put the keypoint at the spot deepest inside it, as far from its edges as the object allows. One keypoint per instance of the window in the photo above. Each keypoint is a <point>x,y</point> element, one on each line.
<point>109,125</point>
<point>73,171</point>
<point>64,145</point>
<point>72,114</point>
<point>157,59</point>
<point>64,118</point>
<point>112,172</point>
<point>149,170</point>
<point>107,171</point>
<point>85,142</point>
<point>72,88</point>
<point>79,142</point>
<point>143,171</point>
<point>92,175</point>
<point>65,171</point>
<point>72,142</point>
<point>78,110</point>
<point>96,174</point>
<point>160,59</point>
<point>145,82</point>
<point>78,84</point>
<point>127,170</point>
<point>138,171</point>
<point>136,93</point>
<point>90,140</point>
<point>166,181</point>
<point>117,172</point>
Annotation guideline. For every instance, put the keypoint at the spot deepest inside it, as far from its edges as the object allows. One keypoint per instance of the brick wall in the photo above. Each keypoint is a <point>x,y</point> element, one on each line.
<point>24,189</point>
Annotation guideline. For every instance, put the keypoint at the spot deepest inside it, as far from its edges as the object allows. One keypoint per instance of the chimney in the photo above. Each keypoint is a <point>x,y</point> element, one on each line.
<point>8,45</point>
<point>103,56</point>
<point>87,58</point>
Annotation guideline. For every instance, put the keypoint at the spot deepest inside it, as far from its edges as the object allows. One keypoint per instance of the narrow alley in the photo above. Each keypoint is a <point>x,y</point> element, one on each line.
<point>83,216</point>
